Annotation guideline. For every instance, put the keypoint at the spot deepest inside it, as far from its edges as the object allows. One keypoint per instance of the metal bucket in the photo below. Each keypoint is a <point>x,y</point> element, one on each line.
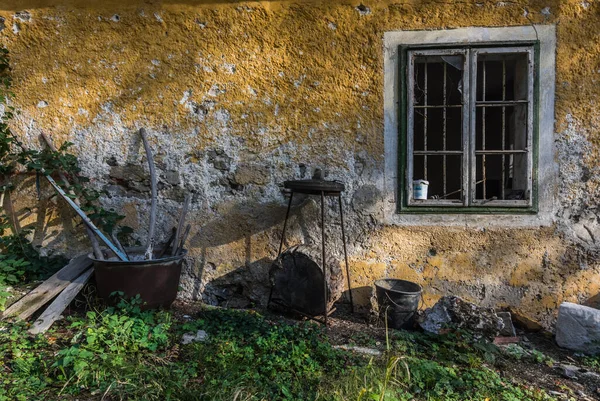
<point>156,281</point>
<point>399,299</point>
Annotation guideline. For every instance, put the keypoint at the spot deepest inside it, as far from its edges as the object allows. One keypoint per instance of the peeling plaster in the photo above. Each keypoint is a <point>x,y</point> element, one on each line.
<point>238,98</point>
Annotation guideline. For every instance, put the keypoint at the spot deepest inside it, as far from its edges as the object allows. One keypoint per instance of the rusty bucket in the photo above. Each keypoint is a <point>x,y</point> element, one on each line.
<point>399,300</point>
<point>156,280</point>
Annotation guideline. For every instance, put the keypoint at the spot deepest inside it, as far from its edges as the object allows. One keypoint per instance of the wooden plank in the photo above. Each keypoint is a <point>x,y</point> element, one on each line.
<point>151,168</point>
<point>61,302</point>
<point>50,288</point>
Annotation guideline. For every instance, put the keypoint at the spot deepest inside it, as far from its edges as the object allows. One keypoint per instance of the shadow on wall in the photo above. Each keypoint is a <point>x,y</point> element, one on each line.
<point>50,222</point>
<point>247,235</point>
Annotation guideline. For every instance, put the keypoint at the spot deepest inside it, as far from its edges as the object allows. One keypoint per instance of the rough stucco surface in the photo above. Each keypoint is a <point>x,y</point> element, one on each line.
<point>239,96</point>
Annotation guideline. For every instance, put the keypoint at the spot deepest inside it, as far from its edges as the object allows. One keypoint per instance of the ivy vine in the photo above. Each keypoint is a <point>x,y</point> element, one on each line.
<point>19,260</point>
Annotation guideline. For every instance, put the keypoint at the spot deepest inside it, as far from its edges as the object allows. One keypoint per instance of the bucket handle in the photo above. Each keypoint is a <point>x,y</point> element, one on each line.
<point>421,300</point>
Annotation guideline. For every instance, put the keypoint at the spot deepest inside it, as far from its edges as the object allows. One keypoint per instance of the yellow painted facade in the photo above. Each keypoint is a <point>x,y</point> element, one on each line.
<point>292,83</point>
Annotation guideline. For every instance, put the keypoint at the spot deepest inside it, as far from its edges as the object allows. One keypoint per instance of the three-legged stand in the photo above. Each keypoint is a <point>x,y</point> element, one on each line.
<point>322,194</point>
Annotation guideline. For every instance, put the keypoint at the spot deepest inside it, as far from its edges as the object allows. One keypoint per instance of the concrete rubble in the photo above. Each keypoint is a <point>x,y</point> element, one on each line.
<point>452,311</point>
<point>509,328</point>
<point>189,338</point>
<point>578,328</point>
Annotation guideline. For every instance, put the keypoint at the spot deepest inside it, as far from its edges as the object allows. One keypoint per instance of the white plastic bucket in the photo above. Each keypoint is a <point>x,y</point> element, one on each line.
<point>420,189</point>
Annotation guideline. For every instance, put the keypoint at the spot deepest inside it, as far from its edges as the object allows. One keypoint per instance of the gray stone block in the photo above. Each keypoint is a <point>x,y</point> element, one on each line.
<point>578,328</point>
<point>509,329</point>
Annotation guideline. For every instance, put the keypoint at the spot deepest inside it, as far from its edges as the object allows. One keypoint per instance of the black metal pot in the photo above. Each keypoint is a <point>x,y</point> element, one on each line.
<point>156,281</point>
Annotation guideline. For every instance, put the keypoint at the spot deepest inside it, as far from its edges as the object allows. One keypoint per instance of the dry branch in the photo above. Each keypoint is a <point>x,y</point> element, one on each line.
<point>167,244</point>
<point>118,243</point>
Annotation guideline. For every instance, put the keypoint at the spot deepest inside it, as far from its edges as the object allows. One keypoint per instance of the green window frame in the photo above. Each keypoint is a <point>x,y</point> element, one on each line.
<point>472,154</point>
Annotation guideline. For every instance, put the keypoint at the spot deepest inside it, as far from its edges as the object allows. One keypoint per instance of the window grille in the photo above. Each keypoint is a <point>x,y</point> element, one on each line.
<point>470,126</point>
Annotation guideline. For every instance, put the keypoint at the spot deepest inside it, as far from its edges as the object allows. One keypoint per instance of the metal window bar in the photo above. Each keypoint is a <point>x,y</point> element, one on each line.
<point>495,103</point>
<point>483,93</point>
<point>444,124</point>
<point>503,178</point>
<point>437,106</point>
<point>500,152</point>
<point>437,152</point>
<point>425,121</point>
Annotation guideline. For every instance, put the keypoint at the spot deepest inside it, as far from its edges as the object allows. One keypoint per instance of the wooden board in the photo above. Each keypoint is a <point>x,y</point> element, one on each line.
<point>61,302</point>
<point>35,299</point>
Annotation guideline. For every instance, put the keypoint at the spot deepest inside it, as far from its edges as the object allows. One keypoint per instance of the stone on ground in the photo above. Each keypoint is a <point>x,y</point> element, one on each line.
<point>360,350</point>
<point>509,329</point>
<point>189,338</point>
<point>578,328</point>
<point>455,312</point>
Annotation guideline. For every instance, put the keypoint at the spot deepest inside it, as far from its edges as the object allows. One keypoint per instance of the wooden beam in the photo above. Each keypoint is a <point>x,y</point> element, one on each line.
<point>38,297</point>
<point>180,225</point>
<point>52,313</point>
<point>153,188</point>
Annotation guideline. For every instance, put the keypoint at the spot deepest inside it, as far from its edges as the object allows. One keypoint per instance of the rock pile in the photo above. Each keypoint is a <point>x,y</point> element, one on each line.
<point>452,311</point>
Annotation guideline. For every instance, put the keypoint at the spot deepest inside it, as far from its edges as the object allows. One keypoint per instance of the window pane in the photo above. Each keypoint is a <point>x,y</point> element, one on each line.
<point>438,80</point>
<point>437,128</point>
<point>501,177</point>
<point>419,129</point>
<point>502,77</point>
<point>454,128</point>
<point>444,174</point>
<point>437,108</point>
<point>505,127</point>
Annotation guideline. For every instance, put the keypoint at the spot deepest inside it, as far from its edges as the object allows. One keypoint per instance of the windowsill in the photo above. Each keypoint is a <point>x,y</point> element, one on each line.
<point>472,218</point>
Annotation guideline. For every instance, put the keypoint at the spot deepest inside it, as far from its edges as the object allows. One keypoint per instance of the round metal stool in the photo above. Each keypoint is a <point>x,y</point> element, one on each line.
<point>322,188</point>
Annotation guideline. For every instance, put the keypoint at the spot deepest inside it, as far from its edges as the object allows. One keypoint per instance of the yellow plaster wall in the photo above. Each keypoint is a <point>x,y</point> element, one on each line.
<point>303,74</point>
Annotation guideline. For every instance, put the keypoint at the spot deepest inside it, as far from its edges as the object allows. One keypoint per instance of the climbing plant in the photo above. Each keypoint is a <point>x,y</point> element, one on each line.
<point>19,259</point>
<point>46,161</point>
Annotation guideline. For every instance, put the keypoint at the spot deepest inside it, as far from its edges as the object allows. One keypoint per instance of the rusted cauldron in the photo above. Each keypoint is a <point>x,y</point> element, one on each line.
<point>156,280</point>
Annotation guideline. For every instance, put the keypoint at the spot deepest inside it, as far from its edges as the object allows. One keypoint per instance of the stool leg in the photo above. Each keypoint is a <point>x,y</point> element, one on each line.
<point>287,215</point>
<point>323,254</point>
<point>345,252</point>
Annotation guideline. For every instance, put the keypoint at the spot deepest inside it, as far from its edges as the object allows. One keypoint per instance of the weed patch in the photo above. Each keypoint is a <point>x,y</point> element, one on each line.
<point>125,353</point>
<point>271,360</point>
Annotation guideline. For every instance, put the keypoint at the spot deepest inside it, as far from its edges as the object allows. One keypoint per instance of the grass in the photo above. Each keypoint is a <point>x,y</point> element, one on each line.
<point>124,353</point>
<point>20,261</point>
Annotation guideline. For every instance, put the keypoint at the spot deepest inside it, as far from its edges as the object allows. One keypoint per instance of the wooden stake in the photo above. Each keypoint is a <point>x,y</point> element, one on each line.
<point>93,240</point>
<point>148,254</point>
<point>167,244</point>
<point>183,239</point>
<point>184,210</point>
<point>118,244</point>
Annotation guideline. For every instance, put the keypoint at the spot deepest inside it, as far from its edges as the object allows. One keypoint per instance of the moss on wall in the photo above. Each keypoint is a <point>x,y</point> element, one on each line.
<point>246,94</point>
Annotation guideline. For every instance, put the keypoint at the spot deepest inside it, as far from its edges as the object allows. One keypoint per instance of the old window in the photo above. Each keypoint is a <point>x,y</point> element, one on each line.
<point>470,127</point>
<point>471,111</point>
